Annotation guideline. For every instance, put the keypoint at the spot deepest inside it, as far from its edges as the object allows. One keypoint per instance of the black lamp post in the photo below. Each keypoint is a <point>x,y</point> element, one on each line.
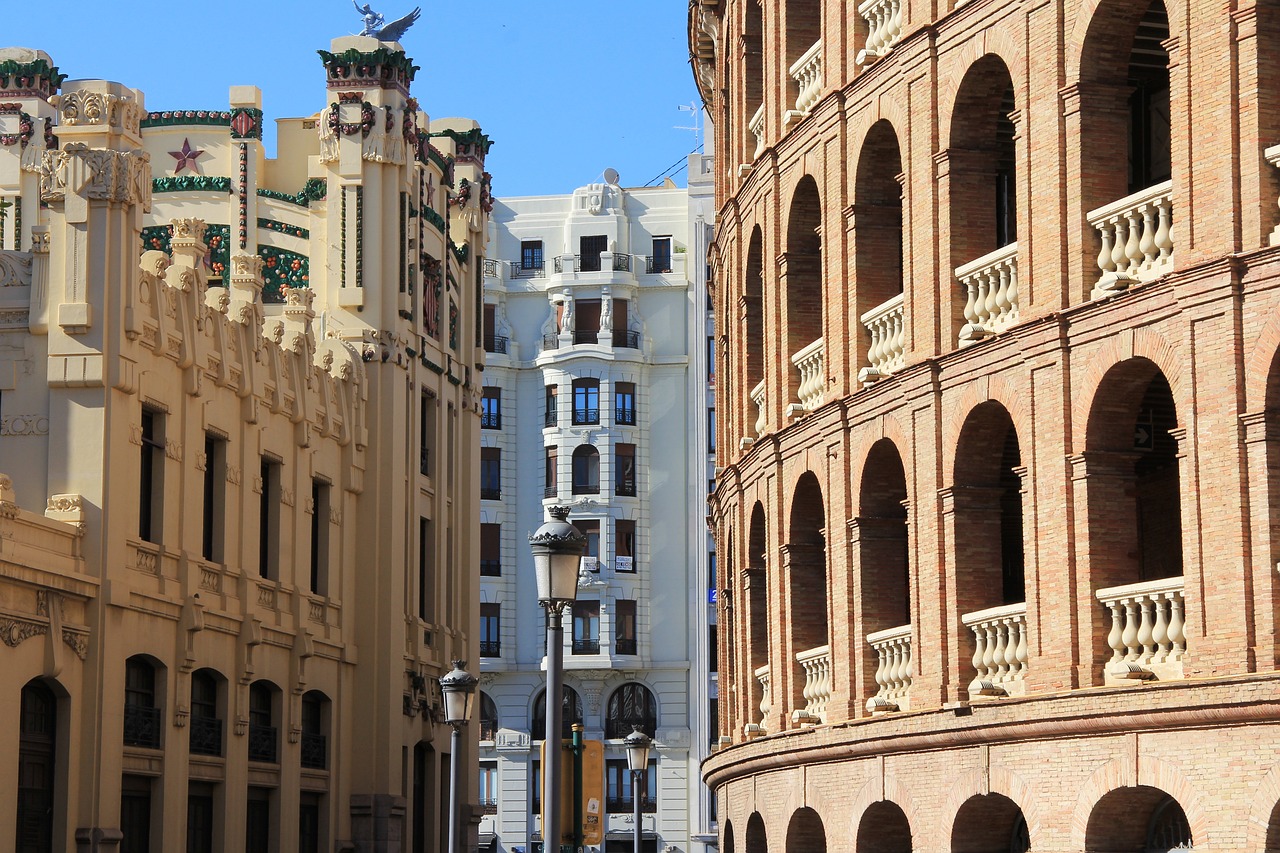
<point>458,687</point>
<point>637,744</point>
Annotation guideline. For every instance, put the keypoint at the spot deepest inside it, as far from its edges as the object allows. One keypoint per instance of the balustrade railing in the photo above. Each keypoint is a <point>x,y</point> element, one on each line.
<point>496,343</point>
<point>315,751</point>
<point>758,397</point>
<point>816,664</point>
<point>887,353</point>
<point>206,736</point>
<point>142,726</point>
<point>991,286</point>
<point>518,271</point>
<point>893,669</point>
<point>807,72</point>
<point>756,126</point>
<point>1148,630</point>
<point>810,362</point>
<point>762,676</point>
<point>490,268</point>
<point>262,743</point>
<point>1000,649</point>
<point>621,263</point>
<point>884,28</point>
<point>1137,238</point>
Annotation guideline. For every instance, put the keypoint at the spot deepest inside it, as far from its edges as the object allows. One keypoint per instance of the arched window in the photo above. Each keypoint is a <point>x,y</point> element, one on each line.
<point>800,278</point>
<point>263,734</point>
<point>206,724</point>
<point>631,705</point>
<point>586,470</point>
<point>488,718</point>
<point>37,763</point>
<point>570,713</point>
<point>141,712</point>
<point>315,724</point>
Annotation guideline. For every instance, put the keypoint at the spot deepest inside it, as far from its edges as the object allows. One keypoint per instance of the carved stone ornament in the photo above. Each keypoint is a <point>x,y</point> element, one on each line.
<point>14,318</point>
<point>24,425</point>
<point>65,503</point>
<point>14,631</point>
<point>96,173</point>
<point>15,269</point>
<point>86,107</point>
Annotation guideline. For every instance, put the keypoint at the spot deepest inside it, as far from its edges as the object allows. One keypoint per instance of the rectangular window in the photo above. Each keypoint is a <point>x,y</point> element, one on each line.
<point>711,360</point>
<point>151,487</point>
<point>590,248</point>
<point>135,814</point>
<point>549,476</point>
<point>625,633</point>
<point>624,531</point>
<point>591,551</point>
<point>320,491</point>
<point>713,649</point>
<point>711,430</point>
<point>535,786</point>
<point>215,496</point>
<point>489,787</point>
<point>623,335</point>
<point>426,578</point>
<point>586,401</point>
<point>661,255</point>
<point>618,787</point>
<point>309,812</point>
<point>586,324</point>
<point>257,821</point>
<point>624,459</point>
<point>427,433</point>
<point>531,255</point>
<point>490,473</point>
<point>586,627</point>
<point>490,630</point>
<point>491,550</point>
<point>550,418</point>
<point>624,403</point>
<point>491,408</point>
<point>269,519</point>
<point>199,817</point>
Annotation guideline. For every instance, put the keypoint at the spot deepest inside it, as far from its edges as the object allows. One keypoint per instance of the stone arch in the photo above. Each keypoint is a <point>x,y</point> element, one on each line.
<point>1151,772</point>
<point>800,277</point>
<point>1263,830</point>
<point>1262,388</point>
<point>805,832</point>
<point>806,578</point>
<point>753,335</point>
<point>1144,343</point>
<point>756,597</point>
<point>883,789</point>
<point>1102,15</point>
<point>982,390</point>
<point>995,780</point>
<point>878,231</point>
<point>726,837</point>
<point>756,839</point>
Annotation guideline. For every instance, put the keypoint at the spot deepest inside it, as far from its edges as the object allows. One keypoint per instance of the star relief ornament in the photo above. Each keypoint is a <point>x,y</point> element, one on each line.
<point>186,157</point>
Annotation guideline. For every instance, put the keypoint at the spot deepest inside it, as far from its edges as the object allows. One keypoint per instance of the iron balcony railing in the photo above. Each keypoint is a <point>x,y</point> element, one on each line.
<point>490,268</point>
<point>550,342</point>
<point>626,486</point>
<point>550,419</point>
<point>315,751</point>
<point>625,416</point>
<point>488,730</point>
<point>490,493</point>
<point>588,263</point>
<point>621,263</point>
<point>659,264</point>
<point>626,339</point>
<point>426,462</point>
<point>585,336</point>
<point>586,488</point>
<point>550,491</point>
<point>621,805</point>
<point>142,726</point>
<point>518,271</point>
<point>262,743</point>
<point>491,420</point>
<point>625,646</point>
<point>488,805</point>
<point>586,646</point>
<point>621,727</point>
<point>496,343</point>
<point>490,648</point>
<point>206,736</point>
<point>586,416</point>
<point>491,568</point>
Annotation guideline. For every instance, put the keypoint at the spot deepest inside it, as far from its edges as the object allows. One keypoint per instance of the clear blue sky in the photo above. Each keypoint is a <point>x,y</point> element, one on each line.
<point>564,87</point>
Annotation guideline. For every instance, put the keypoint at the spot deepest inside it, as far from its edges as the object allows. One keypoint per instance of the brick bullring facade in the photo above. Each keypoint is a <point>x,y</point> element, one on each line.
<point>999,513</point>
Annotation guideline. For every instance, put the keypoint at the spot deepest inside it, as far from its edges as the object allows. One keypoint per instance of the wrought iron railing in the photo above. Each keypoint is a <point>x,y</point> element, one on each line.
<point>490,648</point>
<point>588,263</point>
<point>490,493</point>
<point>550,342</point>
<point>496,343</point>
<point>315,751</point>
<point>142,726</point>
<point>550,491</point>
<point>586,646</point>
<point>585,336</point>
<point>491,420</point>
<point>586,488</point>
<point>626,338</point>
<point>621,263</point>
<point>263,742</point>
<point>488,730</point>
<point>206,736</point>
<point>625,485</point>
<point>625,416</point>
<point>625,646</point>
<point>518,271</point>
<point>586,416</point>
<point>652,264</point>
<point>426,462</point>
<point>625,805</point>
<point>491,568</point>
<point>490,268</point>
<point>620,727</point>
<point>550,418</point>
<point>488,805</point>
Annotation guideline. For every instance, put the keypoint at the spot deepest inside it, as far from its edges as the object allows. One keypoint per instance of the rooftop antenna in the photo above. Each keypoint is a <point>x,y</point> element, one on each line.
<point>697,123</point>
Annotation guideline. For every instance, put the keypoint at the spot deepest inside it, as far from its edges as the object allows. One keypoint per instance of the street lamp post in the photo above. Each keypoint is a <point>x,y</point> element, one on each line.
<point>457,687</point>
<point>557,555</point>
<point>637,744</point>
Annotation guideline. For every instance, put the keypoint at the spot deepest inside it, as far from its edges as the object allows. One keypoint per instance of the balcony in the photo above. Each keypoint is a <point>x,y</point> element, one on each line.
<point>1000,650</point>
<point>262,743</point>
<point>756,125</point>
<point>589,564</point>
<point>142,726</point>
<point>656,264</point>
<point>586,645</point>
<point>425,462</point>
<point>893,670</point>
<point>206,736</point>
<point>884,28</point>
<point>490,420</point>
<point>625,646</point>
<point>550,491</point>
<point>573,264</point>
<point>624,416</point>
<point>490,493</point>
<point>887,353</point>
<point>991,286</point>
<point>625,486</point>
<point>490,568</point>
<point>621,262</point>
<point>816,664</point>
<point>807,72</point>
<point>550,342</point>
<point>625,805</point>
<point>490,648</point>
<point>1148,637</point>
<point>518,271</point>
<point>550,418</point>
<point>626,339</point>
<point>1137,239</point>
<point>490,268</point>
<point>762,418</point>
<point>488,805</point>
<point>496,343</point>
<point>315,751</point>
<point>810,362</point>
<point>586,416</point>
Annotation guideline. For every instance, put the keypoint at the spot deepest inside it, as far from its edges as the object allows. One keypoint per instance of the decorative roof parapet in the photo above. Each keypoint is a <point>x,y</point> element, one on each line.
<point>170,118</point>
<point>388,69</point>
<point>191,183</point>
<point>472,145</point>
<point>34,76</point>
<point>315,189</point>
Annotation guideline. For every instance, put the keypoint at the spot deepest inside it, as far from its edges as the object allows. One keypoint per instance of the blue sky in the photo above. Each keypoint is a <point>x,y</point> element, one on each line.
<point>566,88</point>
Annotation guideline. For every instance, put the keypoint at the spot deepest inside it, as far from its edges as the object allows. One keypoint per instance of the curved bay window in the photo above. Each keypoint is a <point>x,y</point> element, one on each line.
<point>141,715</point>
<point>206,726</point>
<point>570,713</point>
<point>631,705</point>
<point>263,735</point>
<point>37,763</point>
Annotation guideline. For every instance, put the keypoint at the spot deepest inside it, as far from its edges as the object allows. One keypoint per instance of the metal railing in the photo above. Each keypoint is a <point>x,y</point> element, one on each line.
<point>586,416</point>
<point>490,493</point>
<point>550,342</point>
<point>550,418</point>
<point>262,743</point>
<point>142,726</point>
<point>653,265</point>
<point>626,339</point>
<point>496,343</point>
<point>490,268</point>
<point>488,805</point>
<point>625,486</point>
<point>426,462</point>
<point>491,420</point>
<point>550,491</point>
<point>490,648</point>
<point>518,271</point>
<point>586,646</point>
<point>586,488</point>
<point>491,568</point>
<point>315,751</point>
<point>585,336</point>
<point>622,263</point>
<point>587,263</point>
<point>625,646</point>
<point>625,416</point>
<point>624,805</point>
<point>206,736</point>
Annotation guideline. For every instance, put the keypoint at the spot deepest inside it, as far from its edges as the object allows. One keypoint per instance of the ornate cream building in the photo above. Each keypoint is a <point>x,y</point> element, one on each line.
<point>240,403</point>
<point>998,518</point>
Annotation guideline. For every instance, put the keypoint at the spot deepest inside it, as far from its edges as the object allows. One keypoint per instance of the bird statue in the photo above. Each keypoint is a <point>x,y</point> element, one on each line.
<point>376,25</point>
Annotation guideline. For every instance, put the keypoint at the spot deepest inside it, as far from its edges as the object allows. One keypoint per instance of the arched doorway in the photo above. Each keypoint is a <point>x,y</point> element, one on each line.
<point>884,829</point>
<point>1138,819</point>
<point>990,823</point>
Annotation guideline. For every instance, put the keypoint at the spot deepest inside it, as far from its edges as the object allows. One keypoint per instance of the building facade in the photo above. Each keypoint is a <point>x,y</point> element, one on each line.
<point>996,517</point>
<point>241,414</point>
<point>595,397</point>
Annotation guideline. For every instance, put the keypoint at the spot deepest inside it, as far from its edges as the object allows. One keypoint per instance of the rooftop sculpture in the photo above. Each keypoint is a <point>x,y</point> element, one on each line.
<point>375,24</point>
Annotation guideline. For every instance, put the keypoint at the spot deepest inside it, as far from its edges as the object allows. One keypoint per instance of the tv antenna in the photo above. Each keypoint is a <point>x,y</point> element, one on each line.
<point>697,123</point>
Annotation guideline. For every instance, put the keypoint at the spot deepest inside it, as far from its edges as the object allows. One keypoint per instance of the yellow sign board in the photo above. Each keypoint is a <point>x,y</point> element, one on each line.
<point>592,792</point>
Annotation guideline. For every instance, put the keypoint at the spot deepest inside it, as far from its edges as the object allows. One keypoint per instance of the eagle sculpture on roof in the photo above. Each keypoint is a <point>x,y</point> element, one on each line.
<point>376,25</point>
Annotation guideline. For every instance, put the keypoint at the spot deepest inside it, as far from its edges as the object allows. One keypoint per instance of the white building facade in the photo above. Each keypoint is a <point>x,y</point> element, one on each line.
<point>597,397</point>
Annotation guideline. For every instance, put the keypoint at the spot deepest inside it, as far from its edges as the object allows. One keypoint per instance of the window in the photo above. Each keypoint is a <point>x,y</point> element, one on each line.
<point>141,716</point>
<point>488,718</point>
<point>549,483</point>
<point>135,814</point>
<point>535,785</point>
<point>493,342</point>
<point>711,571</point>
<point>427,434</point>
<point>586,470</point>
<point>623,335</point>
<point>618,787</point>
<point>624,463</point>
<point>590,248</point>
<point>713,649</point>
<point>309,821</point>
<point>151,488</point>
<point>711,360</point>
<point>550,419</point>
<point>263,740</point>
<point>269,520</point>
<point>200,817</point>
<point>491,550</point>
<point>632,704</point>
<point>625,632</point>
<point>586,401</point>
<point>257,824</point>
<point>661,257</point>
<point>426,578</point>
<point>215,496</point>
<point>206,728</point>
<point>711,430</point>
<point>315,745</point>
<point>624,531</point>
<point>591,550</point>
<point>37,766</point>
<point>531,255</point>
<point>489,787</point>
<point>490,473</point>
<point>624,404</point>
<point>491,408</point>
<point>320,491</point>
<point>586,627</point>
<point>490,630</point>
<point>586,324</point>
<point>570,713</point>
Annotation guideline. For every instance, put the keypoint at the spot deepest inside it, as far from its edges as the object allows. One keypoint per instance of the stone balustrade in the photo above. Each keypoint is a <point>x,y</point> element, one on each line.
<point>816,664</point>
<point>893,669</point>
<point>991,286</point>
<point>762,417</point>
<point>887,353</point>
<point>1000,650</point>
<point>1148,637</point>
<point>811,363</point>
<point>762,676</point>
<point>756,125</point>
<point>807,72</point>
<point>1273,157</point>
<point>1137,238</point>
<point>884,28</point>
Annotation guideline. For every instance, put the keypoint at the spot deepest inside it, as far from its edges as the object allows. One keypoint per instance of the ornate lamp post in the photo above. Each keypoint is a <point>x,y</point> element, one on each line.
<point>637,744</point>
<point>458,687</point>
<point>557,555</point>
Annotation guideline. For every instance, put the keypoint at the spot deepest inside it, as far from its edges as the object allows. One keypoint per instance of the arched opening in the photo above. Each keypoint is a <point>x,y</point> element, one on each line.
<point>757,610</point>
<point>570,713</point>
<point>631,705</point>
<point>884,829</point>
<point>142,713</point>
<point>208,697</point>
<point>1137,819</point>
<point>753,319</point>
<point>315,730</point>
<point>757,841</point>
<point>880,540</point>
<point>37,767</point>
<point>488,717</point>
<point>726,842</point>
<point>752,76</point>
<point>990,823</point>
<point>803,29</point>
<point>1273,831</point>
<point>805,565</point>
<point>878,249</point>
<point>264,730</point>
<point>586,470</point>
<point>801,280</point>
<point>805,833</point>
